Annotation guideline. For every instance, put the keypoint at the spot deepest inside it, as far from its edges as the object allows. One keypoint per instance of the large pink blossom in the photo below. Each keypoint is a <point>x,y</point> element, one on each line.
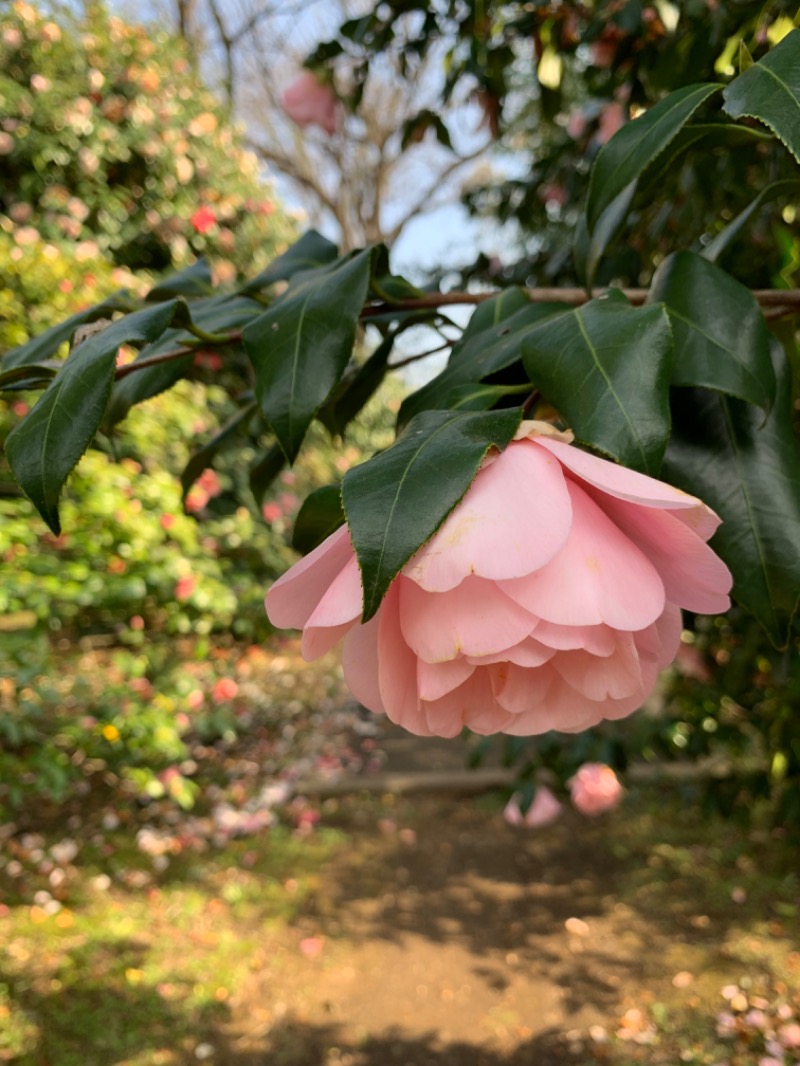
<point>595,788</point>
<point>548,599</point>
<point>308,102</point>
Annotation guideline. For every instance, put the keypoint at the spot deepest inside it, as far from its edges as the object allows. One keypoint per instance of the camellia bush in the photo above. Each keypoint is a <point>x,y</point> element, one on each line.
<point>588,463</point>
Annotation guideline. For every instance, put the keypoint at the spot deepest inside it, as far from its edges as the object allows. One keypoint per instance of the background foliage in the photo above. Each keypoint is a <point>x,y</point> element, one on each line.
<point>163,519</point>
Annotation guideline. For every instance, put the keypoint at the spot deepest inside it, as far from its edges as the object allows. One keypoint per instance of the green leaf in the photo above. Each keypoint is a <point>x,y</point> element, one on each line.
<point>726,237</point>
<point>396,501</point>
<point>770,92</point>
<point>301,345</point>
<point>43,449</point>
<point>638,145</point>
<point>720,339</point>
<point>387,286</point>
<point>29,375</point>
<point>46,344</point>
<point>194,281</point>
<point>356,389</point>
<point>321,514</point>
<point>606,367</point>
<point>264,471</point>
<point>589,249</point>
<point>491,342</point>
<point>216,314</point>
<point>204,457</point>
<point>480,397</point>
<point>310,252</point>
<point>748,471</point>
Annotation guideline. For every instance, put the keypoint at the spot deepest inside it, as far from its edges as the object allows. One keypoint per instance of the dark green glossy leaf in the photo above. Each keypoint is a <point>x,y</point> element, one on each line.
<point>48,343</point>
<point>723,240</point>
<point>356,389</point>
<point>606,367</point>
<point>216,314</point>
<point>480,397</point>
<point>43,449</point>
<point>396,501</point>
<point>390,287</point>
<point>194,281</point>
<point>310,252</point>
<point>638,145</point>
<point>204,457</point>
<point>770,92</point>
<point>321,514</point>
<point>748,471</point>
<point>301,345</point>
<point>29,375</point>
<point>491,342</point>
<point>589,249</point>
<point>264,471</point>
<point>721,341</point>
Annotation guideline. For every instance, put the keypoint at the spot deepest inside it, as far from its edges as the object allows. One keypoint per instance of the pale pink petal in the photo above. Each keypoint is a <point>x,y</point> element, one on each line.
<point>630,485</point>
<point>512,812</point>
<point>470,705</point>
<point>437,679</point>
<point>343,600</point>
<point>658,644</point>
<point>514,518</point>
<point>529,653</point>
<point>694,576</point>
<point>519,690</point>
<point>598,577</point>
<point>316,642</point>
<point>360,664</point>
<point>335,612</point>
<point>603,677</point>
<point>544,810</point>
<point>475,619</point>
<point>292,598</point>
<point>599,640</point>
<point>397,670</point>
<point>567,710</point>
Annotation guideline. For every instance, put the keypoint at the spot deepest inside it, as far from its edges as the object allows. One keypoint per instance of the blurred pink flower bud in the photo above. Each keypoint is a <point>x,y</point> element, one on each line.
<point>548,599</point>
<point>789,1035</point>
<point>544,810</point>
<point>595,788</point>
<point>307,102</point>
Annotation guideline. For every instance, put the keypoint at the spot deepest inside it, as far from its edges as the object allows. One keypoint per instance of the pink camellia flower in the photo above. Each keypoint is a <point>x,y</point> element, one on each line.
<point>595,788</point>
<point>307,102</point>
<point>548,599</point>
<point>544,810</point>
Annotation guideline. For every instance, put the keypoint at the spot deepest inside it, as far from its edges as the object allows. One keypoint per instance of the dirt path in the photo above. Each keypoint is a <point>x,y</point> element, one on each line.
<point>446,937</point>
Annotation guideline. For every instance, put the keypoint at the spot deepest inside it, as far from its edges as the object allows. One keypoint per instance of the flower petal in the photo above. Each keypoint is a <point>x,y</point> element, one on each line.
<point>317,642</point>
<point>599,640</point>
<point>528,653</point>
<point>360,664</point>
<point>397,670</point>
<point>335,612</point>
<point>292,598</point>
<point>470,705</point>
<point>625,484</point>
<point>518,690</point>
<point>513,519</point>
<point>437,679</point>
<point>599,576</point>
<point>603,677</point>
<point>474,619</point>
<point>694,576</point>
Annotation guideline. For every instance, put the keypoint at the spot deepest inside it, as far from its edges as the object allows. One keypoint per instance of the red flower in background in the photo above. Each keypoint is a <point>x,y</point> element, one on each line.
<point>203,219</point>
